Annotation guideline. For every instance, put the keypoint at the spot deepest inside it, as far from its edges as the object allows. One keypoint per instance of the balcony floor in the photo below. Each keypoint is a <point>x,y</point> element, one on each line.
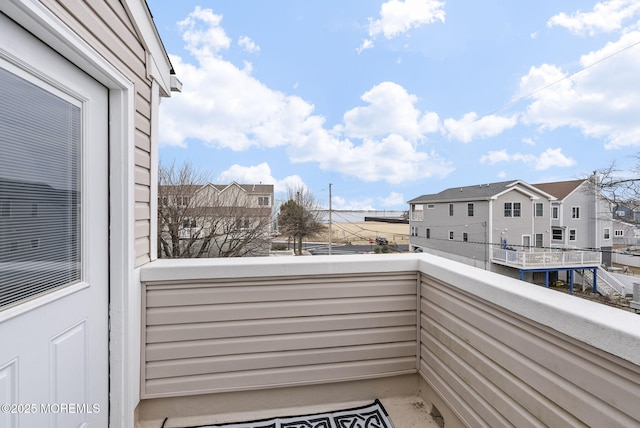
<point>405,412</point>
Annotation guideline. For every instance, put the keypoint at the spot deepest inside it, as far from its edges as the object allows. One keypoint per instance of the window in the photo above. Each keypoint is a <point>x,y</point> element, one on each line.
<point>186,223</point>
<point>512,209</point>
<point>465,236</point>
<point>44,237</point>
<point>470,209</point>
<point>539,238</point>
<point>572,234</point>
<point>428,234</point>
<point>555,213</point>
<point>607,233</point>
<point>618,233</point>
<point>539,208</point>
<point>451,234</point>
<point>450,209</point>
<point>556,234</point>
<point>431,206</point>
<point>263,201</point>
<point>414,231</point>
<point>575,212</point>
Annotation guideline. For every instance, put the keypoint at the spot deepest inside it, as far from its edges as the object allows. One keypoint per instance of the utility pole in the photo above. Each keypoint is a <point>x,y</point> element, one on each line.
<point>330,218</point>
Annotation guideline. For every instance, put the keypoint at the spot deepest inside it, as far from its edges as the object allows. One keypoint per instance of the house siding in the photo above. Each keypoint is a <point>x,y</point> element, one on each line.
<point>255,333</point>
<point>498,368</point>
<point>106,26</point>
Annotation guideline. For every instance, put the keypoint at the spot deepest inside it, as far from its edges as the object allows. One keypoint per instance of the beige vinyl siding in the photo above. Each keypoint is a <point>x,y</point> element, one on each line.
<point>106,26</point>
<point>500,369</point>
<point>239,334</point>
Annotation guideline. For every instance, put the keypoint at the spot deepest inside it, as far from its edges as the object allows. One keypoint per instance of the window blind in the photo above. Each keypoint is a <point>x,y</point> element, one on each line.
<point>40,142</point>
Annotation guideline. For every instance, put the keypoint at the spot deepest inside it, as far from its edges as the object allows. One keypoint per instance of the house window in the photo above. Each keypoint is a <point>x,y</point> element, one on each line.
<point>263,201</point>
<point>465,236</point>
<point>431,206</point>
<point>607,233</point>
<point>186,223</point>
<point>572,234</point>
<point>512,209</point>
<point>539,207</point>
<point>539,238</point>
<point>242,223</point>
<point>556,234</point>
<point>618,233</point>
<point>555,213</point>
<point>428,233</point>
<point>414,231</point>
<point>470,209</point>
<point>575,212</point>
<point>450,209</point>
<point>451,234</point>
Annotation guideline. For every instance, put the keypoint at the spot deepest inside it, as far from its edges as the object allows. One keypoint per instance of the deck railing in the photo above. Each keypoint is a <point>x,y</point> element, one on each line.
<point>498,351</point>
<point>546,259</point>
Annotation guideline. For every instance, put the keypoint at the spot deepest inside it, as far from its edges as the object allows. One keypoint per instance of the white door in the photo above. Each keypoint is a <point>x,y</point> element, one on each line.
<point>53,238</point>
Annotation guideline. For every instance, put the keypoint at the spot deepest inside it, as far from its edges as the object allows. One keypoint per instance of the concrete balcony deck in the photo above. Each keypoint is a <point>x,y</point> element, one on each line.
<point>241,339</point>
<point>538,259</point>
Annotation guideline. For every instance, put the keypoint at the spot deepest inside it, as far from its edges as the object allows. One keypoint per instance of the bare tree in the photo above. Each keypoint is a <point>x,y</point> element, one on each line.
<point>299,217</point>
<point>199,219</point>
<point>617,187</point>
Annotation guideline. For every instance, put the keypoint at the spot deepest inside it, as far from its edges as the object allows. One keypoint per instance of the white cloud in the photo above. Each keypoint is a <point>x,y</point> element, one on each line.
<point>529,141</point>
<point>598,101</point>
<point>391,109</point>
<point>392,199</point>
<point>257,174</point>
<point>202,33</point>
<point>366,44</point>
<point>550,158</point>
<point>470,127</point>
<point>607,16</point>
<point>248,45</point>
<point>226,107</point>
<point>397,16</point>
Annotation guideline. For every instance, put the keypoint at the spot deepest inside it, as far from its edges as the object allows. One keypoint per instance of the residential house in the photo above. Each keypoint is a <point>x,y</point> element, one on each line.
<point>580,218</point>
<point>624,235</point>
<point>129,340</point>
<point>511,223</point>
<point>215,220</point>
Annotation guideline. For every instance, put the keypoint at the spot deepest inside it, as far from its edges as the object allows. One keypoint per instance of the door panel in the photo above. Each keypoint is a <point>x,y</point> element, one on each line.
<point>54,238</point>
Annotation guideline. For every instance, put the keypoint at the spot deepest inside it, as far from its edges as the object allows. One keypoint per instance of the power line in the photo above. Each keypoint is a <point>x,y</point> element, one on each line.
<point>532,93</point>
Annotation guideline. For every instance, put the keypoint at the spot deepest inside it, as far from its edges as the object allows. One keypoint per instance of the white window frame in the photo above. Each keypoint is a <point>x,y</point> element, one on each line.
<point>606,233</point>
<point>555,212</point>
<point>451,235</point>
<point>573,235</point>
<point>536,212</point>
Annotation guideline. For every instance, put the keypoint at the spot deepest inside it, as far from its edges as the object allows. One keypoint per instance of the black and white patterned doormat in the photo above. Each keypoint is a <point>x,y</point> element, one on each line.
<point>371,416</point>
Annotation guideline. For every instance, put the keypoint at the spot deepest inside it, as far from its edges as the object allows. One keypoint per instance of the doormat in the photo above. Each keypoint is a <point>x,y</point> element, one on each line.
<point>371,416</point>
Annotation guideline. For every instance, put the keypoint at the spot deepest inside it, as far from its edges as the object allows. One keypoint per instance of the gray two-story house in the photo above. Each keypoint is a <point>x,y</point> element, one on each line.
<point>536,229</point>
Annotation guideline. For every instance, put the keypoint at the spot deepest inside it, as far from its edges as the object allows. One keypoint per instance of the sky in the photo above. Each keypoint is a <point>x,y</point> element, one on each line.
<point>390,100</point>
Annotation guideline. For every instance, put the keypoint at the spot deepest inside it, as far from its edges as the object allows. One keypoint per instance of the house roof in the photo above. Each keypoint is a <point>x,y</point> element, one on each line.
<point>560,189</point>
<point>477,192</point>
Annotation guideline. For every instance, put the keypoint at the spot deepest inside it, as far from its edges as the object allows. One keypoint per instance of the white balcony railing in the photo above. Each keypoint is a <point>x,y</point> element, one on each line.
<point>498,351</point>
<point>546,259</point>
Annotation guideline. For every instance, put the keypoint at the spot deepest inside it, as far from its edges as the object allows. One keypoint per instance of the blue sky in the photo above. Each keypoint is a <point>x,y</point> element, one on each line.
<point>389,100</point>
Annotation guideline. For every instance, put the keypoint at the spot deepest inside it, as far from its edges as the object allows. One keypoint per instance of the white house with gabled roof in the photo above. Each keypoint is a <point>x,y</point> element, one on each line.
<point>512,223</point>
